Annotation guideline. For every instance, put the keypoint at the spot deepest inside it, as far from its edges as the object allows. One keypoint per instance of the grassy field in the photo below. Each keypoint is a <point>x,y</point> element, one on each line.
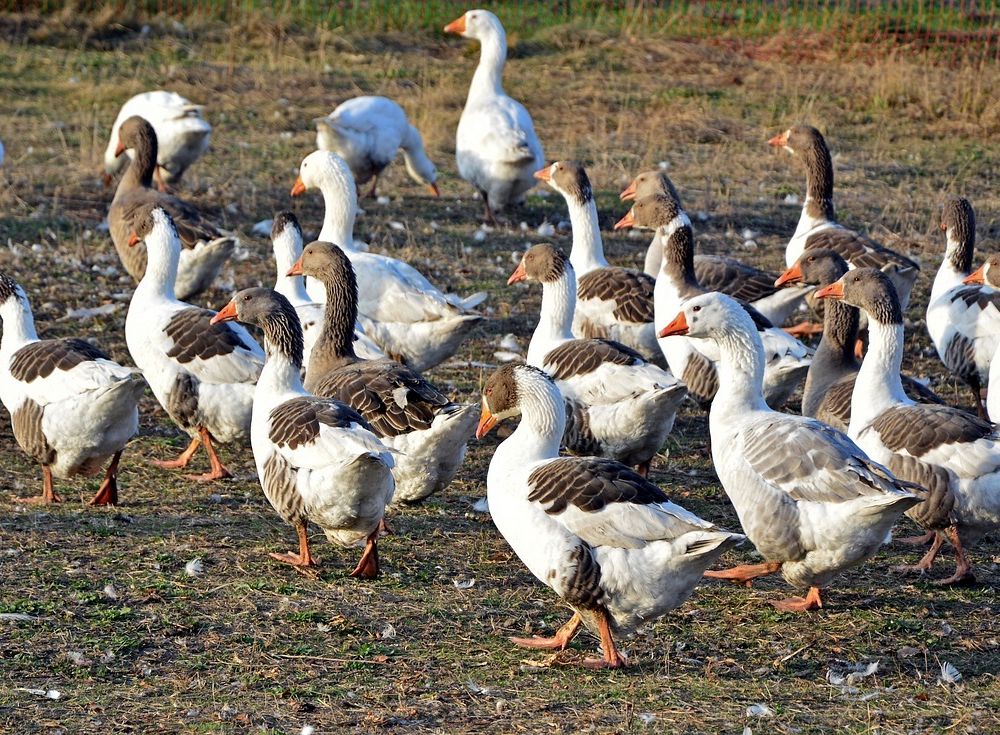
<point>134,642</point>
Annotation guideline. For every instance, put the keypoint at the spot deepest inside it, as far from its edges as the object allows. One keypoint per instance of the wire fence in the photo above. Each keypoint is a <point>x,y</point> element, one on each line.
<point>971,26</point>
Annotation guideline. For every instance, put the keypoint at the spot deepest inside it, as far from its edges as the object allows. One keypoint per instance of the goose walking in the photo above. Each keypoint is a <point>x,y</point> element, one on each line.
<point>603,538</point>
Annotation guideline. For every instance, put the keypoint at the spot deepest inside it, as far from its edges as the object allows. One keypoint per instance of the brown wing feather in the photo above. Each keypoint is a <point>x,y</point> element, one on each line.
<point>856,249</point>
<point>919,429</point>
<point>582,356</point>
<point>40,359</point>
<point>733,278</point>
<point>194,336</point>
<point>590,484</point>
<point>298,420</point>
<point>631,290</point>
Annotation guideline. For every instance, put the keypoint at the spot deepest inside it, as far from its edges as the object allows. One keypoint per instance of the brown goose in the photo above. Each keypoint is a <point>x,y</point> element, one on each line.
<point>818,226</point>
<point>317,459</point>
<point>407,412</point>
<point>834,369</point>
<point>205,248</point>
<point>953,454</point>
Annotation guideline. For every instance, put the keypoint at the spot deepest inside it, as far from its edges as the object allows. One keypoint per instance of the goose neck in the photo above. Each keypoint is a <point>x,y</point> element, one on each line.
<point>678,254</point>
<point>287,250</point>
<point>339,316</point>
<point>587,253</point>
<point>162,257</point>
<point>282,373</point>
<point>418,165</point>
<point>338,217</point>
<point>488,79</point>
<point>18,325</point>
<point>555,323</point>
<point>543,421</point>
<point>819,184</point>
<point>879,385</point>
<point>741,371</point>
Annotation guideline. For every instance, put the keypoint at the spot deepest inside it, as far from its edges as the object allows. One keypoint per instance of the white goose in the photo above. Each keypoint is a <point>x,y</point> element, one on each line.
<point>316,458</point>
<point>428,430</point>
<point>367,132</point>
<point>71,407</point>
<point>496,148</point>
<point>202,374</point>
<point>963,312</point>
<point>611,303</point>
<point>182,132</point>
<point>807,497</point>
<point>607,541</point>
<point>695,361</point>
<point>618,405</point>
<point>399,309</point>
<point>953,454</point>
<point>818,226</point>
<point>286,240</point>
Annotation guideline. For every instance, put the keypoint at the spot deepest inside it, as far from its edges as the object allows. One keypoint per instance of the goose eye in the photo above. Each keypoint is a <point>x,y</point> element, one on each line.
<point>247,297</point>
<point>696,308</point>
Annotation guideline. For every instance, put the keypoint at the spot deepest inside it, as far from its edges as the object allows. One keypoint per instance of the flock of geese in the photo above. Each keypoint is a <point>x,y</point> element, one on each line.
<point>342,424</point>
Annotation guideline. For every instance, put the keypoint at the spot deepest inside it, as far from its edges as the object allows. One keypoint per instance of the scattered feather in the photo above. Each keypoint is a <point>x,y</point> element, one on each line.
<point>546,229</point>
<point>481,506</point>
<point>383,200</point>
<point>78,659</point>
<point>759,710</point>
<point>396,225</point>
<point>792,199</point>
<point>47,693</point>
<point>194,568</point>
<point>262,228</point>
<point>91,312</point>
<point>110,592</point>
<point>949,674</point>
<point>505,356</point>
<point>510,343</point>
<point>388,632</point>
<point>646,718</point>
<point>307,730</point>
<point>18,617</point>
<point>480,236</point>
<point>463,584</point>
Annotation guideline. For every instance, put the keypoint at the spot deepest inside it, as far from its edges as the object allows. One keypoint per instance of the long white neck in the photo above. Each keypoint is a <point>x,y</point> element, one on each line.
<point>588,247</point>
<point>287,249</point>
<point>418,165</point>
<point>878,385</point>
<point>280,378</point>
<point>741,372</point>
<point>488,79</point>
<point>555,324</point>
<point>18,325</point>
<point>654,256</point>
<point>338,220</point>
<point>163,252</point>
<point>950,274</point>
<point>543,421</point>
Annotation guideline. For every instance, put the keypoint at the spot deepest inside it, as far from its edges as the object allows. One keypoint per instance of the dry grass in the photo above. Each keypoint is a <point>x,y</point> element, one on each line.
<point>251,646</point>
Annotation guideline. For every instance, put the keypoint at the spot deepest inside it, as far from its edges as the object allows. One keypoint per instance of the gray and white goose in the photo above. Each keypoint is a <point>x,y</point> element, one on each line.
<point>603,538</point>
<point>953,454</point>
<point>71,407</point>
<point>989,273</point>
<point>618,405</point>
<point>611,302</point>
<point>317,459</point>
<point>834,369</point>
<point>818,226</point>
<point>693,361</point>
<point>722,273</point>
<point>202,374</point>
<point>808,497</point>
<point>963,312</point>
<point>409,414</point>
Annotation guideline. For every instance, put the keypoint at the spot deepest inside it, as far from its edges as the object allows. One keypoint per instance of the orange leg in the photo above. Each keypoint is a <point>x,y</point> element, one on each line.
<point>612,657</point>
<point>963,569</point>
<point>182,460</point>
<point>804,329</point>
<point>107,493</point>
<point>368,564</point>
<point>812,601</point>
<point>489,216</point>
<point>303,558</point>
<point>643,469</point>
<point>48,495</point>
<point>917,540</point>
<point>745,573</point>
<point>218,471</point>
<point>558,642</point>
<point>384,529</point>
<point>160,183</point>
<point>924,565</point>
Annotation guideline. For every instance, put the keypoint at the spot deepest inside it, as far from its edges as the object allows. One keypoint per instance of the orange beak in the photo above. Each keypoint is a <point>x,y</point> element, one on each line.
<point>779,141</point>
<point>678,326</point>
<point>120,148</point>
<point>296,269</point>
<point>228,314</point>
<point>298,188</point>
<point>543,174</point>
<point>792,275</point>
<point>133,240</point>
<point>944,226</point>
<point>627,221</point>
<point>456,26</point>
<point>833,291</point>
<point>518,275</point>
<point>433,189</point>
<point>486,422</point>
<point>977,277</point>
<point>629,192</point>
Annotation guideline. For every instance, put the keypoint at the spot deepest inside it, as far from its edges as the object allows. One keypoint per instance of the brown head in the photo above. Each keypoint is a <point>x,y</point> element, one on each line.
<point>816,267</point>
<point>9,289</point>
<point>283,220</point>
<point>869,289</point>
<point>272,312</point>
<point>799,139</point>
<point>647,184</point>
<point>325,262</point>
<point>988,273</point>
<point>145,218</point>
<point>958,220</point>
<point>544,263</point>
<point>136,132</point>
<point>651,212</point>
<point>501,394</point>
<point>569,178</point>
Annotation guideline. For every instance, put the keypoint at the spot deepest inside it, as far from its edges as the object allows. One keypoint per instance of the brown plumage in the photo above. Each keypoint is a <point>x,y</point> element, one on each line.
<point>40,359</point>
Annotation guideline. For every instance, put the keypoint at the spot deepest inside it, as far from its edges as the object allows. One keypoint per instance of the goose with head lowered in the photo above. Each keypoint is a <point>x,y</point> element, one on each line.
<point>834,369</point>
<point>808,497</point>
<point>695,361</point>
<point>71,407</point>
<point>721,273</point>
<point>618,405</point>
<point>496,148</point>
<point>286,240</point>
<point>317,459</point>
<point>399,309</point>
<point>818,226</point>
<point>182,132</point>
<point>409,414</point>
<point>368,132</point>
<point>206,249</point>
<point>202,374</point>
<point>603,538</point>
<point>953,454</point>
<point>963,312</point>
<point>611,303</point>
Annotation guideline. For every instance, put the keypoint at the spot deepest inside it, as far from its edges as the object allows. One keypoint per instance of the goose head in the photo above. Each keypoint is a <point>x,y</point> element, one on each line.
<point>506,389</point>
<point>798,139</point>
<point>816,267</point>
<point>323,170</point>
<point>327,263</point>
<point>988,273</point>
<point>272,312</point>
<point>958,220</point>
<point>709,316</point>
<point>12,297</point>
<point>647,184</point>
<point>544,263</point>
<point>869,289</point>
<point>653,212</point>
<point>478,24</point>
<point>569,178</point>
<point>154,226</point>
<point>134,132</point>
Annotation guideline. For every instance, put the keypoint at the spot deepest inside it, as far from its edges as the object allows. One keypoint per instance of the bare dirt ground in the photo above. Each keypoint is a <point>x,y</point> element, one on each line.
<point>134,643</point>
